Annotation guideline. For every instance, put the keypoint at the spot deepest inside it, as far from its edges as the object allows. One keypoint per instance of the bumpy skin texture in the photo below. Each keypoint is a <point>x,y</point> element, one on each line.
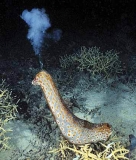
<point>74,129</point>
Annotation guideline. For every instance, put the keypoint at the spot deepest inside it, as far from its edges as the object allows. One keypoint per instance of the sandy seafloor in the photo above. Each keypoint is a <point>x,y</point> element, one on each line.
<point>112,101</point>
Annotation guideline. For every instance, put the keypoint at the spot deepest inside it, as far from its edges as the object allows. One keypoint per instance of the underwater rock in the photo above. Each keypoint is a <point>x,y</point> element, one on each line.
<point>132,140</point>
<point>132,146</point>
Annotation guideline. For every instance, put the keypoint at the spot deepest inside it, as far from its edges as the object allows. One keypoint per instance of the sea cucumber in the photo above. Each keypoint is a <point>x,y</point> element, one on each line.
<point>74,129</point>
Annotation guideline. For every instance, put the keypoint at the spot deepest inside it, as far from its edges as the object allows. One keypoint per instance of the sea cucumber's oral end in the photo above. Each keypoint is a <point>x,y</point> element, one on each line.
<point>34,82</point>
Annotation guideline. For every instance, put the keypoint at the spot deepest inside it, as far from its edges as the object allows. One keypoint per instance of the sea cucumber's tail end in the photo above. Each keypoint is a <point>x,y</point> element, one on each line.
<point>104,131</point>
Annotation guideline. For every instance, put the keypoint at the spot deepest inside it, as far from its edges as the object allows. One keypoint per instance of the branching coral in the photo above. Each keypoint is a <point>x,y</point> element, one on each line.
<point>111,151</point>
<point>93,61</point>
<point>8,111</point>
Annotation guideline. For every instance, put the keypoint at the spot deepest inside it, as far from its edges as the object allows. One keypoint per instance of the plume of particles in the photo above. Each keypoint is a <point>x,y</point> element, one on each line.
<point>39,22</point>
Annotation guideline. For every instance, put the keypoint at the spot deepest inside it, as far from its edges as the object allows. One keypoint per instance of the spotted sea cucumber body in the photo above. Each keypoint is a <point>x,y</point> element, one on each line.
<point>74,129</point>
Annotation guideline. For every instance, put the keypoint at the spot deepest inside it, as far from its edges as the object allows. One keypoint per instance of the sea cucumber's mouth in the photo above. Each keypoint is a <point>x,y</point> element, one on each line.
<point>34,82</point>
